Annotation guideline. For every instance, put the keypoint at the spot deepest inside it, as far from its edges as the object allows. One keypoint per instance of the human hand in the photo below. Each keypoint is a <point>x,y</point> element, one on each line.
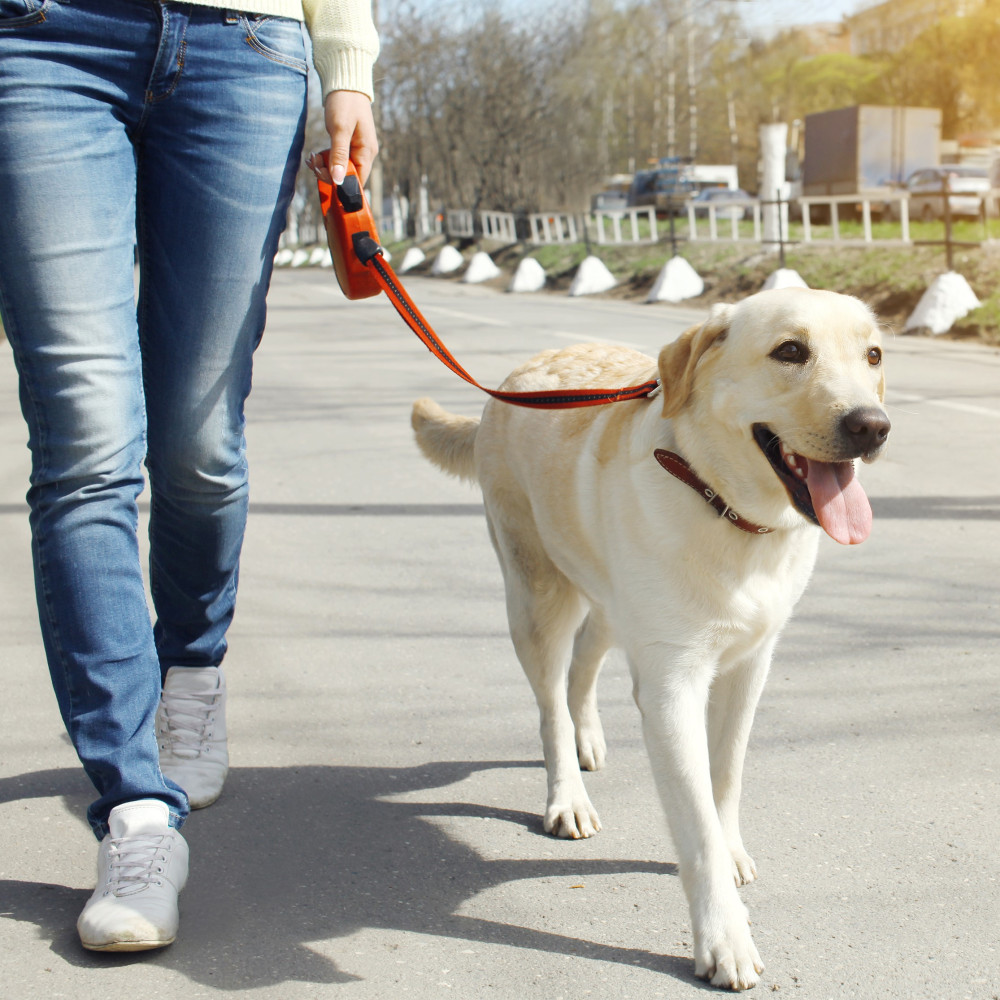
<point>351,125</point>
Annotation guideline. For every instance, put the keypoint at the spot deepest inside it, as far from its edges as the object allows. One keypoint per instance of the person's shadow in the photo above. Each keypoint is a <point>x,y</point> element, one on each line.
<point>295,855</point>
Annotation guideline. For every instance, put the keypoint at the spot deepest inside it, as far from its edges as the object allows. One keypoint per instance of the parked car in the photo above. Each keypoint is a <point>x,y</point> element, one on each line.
<point>610,200</point>
<point>966,187</point>
<point>887,208</point>
<point>614,195</point>
<point>662,188</point>
<point>720,197</point>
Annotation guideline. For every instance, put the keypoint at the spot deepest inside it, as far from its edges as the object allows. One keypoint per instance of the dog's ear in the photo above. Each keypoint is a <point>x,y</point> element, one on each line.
<point>678,360</point>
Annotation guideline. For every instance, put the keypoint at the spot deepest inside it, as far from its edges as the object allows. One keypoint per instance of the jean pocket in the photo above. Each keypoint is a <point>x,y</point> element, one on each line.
<point>276,38</point>
<point>22,13</point>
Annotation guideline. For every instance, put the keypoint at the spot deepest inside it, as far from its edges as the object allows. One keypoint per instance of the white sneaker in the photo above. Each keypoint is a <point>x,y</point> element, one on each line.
<point>142,864</point>
<point>191,732</point>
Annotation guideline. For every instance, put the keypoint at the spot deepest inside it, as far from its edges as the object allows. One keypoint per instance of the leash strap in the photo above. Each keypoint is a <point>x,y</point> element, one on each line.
<point>368,251</point>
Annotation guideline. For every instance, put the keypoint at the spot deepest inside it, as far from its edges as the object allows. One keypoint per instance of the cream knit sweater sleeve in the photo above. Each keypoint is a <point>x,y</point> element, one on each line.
<point>345,43</point>
<point>344,40</point>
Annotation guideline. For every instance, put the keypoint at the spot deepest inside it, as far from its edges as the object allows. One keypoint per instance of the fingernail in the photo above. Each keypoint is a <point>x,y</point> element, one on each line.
<point>338,173</point>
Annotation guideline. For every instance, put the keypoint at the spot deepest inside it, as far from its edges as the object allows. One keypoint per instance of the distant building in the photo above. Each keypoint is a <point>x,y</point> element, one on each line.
<point>890,25</point>
<point>823,37</point>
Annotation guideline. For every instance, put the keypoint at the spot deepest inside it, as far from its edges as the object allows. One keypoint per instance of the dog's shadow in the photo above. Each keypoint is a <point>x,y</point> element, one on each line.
<point>295,855</point>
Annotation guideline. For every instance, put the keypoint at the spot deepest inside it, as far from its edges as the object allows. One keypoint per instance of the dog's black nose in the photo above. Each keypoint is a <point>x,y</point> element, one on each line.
<point>866,428</point>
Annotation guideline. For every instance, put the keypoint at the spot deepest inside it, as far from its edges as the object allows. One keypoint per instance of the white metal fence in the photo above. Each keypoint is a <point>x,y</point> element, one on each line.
<point>459,222</point>
<point>884,203</point>
<point>733,211</point>
<point>719,220</point>
<point>553,227</point>
<point>499,226</point>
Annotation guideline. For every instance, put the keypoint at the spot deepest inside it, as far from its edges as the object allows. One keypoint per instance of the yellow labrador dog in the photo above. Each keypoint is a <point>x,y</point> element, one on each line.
<point>683,529</point>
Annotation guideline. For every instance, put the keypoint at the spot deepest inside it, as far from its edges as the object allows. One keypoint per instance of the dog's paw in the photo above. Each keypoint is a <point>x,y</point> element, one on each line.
<point>729,959</point>
<point>744,869</point>
<point>590,746</point>
<point>575,820</point>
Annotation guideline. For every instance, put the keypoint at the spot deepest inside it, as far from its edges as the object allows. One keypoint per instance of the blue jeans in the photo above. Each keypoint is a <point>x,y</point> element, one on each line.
<point>176,129</point>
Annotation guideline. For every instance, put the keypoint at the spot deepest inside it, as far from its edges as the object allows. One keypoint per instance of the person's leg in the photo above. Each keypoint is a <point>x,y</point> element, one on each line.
<point>72,86</point>
<point>217,156</point>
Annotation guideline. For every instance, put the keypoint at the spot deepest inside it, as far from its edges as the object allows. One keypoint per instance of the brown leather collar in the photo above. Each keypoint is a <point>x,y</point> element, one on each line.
<point>680,469</point>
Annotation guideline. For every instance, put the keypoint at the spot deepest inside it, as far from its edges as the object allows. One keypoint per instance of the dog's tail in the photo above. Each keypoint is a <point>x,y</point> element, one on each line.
<point>448,441</point>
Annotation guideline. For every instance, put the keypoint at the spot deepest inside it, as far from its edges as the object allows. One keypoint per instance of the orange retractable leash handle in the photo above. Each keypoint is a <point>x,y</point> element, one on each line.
<point>346,215</point>
<point>362,271</point>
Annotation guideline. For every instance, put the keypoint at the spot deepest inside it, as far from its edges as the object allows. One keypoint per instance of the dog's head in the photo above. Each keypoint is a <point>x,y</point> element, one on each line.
<point>779,395</point>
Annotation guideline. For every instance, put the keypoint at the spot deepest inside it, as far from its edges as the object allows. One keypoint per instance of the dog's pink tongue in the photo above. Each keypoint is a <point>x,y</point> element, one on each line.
<point>839,501</point>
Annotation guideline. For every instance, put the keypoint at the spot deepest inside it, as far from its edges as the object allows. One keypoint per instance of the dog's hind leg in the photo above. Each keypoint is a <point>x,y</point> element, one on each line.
<point>544,610</point>
<point>732,703</point>
<point>591,645</point>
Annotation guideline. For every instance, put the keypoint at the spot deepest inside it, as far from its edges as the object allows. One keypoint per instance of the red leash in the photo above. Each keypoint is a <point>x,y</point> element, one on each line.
<point>363,271</point>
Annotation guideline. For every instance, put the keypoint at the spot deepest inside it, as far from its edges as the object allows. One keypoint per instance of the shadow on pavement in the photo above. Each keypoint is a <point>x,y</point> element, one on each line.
<point>295,855</point>
<point>941,508</point>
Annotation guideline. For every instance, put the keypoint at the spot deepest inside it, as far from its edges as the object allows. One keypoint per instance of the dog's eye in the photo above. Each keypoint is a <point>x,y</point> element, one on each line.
<point>874,356</point>
<point>792,352</point>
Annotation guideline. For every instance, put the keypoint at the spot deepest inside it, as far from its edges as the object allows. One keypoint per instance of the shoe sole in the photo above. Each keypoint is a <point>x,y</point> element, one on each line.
<point>128,945</point>
<point>203,803</point>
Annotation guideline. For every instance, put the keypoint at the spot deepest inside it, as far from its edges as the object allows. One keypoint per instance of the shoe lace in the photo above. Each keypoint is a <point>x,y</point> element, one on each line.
<point>186,721</point>
<point>136,862</point>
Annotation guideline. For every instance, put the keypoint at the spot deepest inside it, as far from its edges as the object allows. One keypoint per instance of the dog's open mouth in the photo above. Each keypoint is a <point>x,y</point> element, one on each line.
<point>827,493</point>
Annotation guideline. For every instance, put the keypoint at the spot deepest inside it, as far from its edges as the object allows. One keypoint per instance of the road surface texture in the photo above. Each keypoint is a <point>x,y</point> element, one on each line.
<point>380,832</point>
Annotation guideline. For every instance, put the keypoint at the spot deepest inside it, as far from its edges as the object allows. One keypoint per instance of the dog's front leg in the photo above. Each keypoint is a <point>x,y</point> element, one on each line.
<point>671,689</point>
<point>731,707</point>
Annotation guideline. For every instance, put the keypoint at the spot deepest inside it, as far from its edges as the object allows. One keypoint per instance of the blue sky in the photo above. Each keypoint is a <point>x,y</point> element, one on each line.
<point>781,13</point>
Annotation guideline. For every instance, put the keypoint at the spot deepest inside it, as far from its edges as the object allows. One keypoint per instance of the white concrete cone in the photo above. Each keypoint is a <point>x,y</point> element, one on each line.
<point>448,260</point>
<point>591,278</point>
<point>300,258</point>
<point>481,268</point>
<point>948,299</point>
<point>677,280</point>
<point>317,255</point>
<point>529,276</point>
<point>784,277</point>
<point>411,259</point>
<point>283,257</point>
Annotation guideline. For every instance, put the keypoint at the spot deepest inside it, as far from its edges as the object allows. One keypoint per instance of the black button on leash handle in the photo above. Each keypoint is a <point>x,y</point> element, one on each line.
<point>350,194</point>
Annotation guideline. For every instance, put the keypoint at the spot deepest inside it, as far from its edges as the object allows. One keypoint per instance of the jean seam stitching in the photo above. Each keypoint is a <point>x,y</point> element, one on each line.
<point>300,65</point>
<point>151,96</point>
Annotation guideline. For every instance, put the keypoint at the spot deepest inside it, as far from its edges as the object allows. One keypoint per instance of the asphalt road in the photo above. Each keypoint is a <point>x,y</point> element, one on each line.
<point>380,833</point>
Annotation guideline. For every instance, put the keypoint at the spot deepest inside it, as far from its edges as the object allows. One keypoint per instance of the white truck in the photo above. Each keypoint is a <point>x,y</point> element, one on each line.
<point>865,148</point>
